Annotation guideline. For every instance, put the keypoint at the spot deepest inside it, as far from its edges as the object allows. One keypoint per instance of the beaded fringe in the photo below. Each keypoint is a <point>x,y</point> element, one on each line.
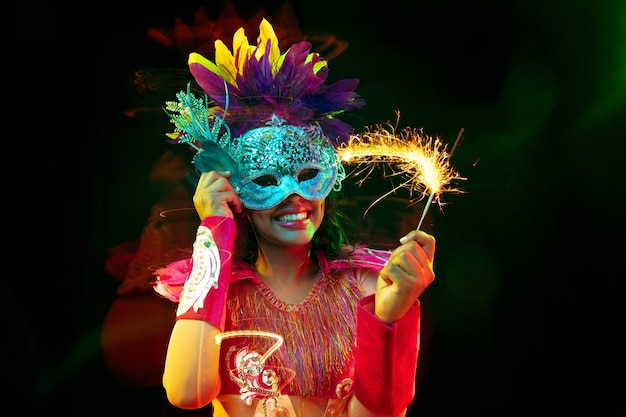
<point>319,333</point>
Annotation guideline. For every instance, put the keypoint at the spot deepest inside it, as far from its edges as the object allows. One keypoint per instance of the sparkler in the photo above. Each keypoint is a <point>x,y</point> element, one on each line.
<point>422,160</point>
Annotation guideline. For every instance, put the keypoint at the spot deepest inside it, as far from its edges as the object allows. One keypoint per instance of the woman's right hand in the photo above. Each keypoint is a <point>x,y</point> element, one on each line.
<point>215,196</point>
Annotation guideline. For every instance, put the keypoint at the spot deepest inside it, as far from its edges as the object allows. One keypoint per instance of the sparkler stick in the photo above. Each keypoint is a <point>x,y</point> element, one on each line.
<point>422,159</point>
<point>457,142</point>
<point>428,203</point>
<point>432,194</point>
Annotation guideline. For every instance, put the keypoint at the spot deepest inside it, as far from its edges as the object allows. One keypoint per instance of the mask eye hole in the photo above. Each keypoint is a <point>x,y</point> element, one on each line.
<point>307,174</point>
<point>265,180</point>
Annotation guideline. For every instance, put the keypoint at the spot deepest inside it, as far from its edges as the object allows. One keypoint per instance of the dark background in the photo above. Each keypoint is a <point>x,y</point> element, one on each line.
<point>526,316</point>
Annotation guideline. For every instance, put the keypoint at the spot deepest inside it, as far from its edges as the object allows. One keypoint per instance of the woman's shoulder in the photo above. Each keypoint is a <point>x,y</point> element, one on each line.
<point>242,270</point>
<point>358,256</point>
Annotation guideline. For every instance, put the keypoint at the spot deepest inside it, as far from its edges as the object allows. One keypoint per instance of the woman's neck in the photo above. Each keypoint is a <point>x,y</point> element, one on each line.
<point>285,264</point>
<point>289,272</point>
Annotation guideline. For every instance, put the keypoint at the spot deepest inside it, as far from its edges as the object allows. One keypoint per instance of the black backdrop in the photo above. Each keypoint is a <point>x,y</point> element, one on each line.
<point>526,316</point>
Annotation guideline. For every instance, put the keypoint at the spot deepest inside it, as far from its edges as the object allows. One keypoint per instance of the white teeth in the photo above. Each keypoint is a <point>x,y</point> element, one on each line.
<point>291,217</point>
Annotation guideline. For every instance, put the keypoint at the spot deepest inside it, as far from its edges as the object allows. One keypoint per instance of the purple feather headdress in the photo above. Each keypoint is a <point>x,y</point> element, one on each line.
<point>253,84</point>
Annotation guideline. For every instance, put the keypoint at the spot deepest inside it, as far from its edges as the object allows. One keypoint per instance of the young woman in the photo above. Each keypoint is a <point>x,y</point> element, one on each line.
<point>279,313</point>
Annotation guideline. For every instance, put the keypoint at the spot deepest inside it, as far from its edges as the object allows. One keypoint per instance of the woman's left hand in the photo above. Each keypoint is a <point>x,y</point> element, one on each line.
<point>405,276</point>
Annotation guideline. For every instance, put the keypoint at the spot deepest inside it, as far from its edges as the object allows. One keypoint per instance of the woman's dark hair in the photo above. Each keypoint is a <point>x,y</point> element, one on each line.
<point>336,231</point>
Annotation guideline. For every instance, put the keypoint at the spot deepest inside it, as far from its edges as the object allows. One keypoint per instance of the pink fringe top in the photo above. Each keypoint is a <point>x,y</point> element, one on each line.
<point>325,319</point>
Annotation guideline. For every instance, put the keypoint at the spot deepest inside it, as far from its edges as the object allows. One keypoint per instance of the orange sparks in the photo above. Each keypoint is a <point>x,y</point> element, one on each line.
<point>421,160</point>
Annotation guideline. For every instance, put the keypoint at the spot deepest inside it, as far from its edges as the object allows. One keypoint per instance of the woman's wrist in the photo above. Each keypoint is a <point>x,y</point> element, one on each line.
<point>386,359</point>
<point>206,288</point>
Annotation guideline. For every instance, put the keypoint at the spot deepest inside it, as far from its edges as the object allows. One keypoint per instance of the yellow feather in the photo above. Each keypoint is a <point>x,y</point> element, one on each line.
<point>225,62</point>
<point>241,48</point>
<point>318,65</point>
<point>280,60</point>
<point>266,32</point>
<point>221,70</point>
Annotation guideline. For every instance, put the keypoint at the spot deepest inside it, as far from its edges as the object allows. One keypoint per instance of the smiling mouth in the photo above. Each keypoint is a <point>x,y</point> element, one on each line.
<point>292,217</point>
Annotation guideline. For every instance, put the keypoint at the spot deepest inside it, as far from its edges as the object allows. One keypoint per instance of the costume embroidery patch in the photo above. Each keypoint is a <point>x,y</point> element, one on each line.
<point>205,270</point>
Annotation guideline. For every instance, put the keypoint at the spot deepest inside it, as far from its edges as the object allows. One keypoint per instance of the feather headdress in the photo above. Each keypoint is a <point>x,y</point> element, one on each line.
<point>254,83</point>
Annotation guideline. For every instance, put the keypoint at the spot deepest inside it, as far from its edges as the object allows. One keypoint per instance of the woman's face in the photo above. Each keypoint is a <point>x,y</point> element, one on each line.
<point>292,222</point>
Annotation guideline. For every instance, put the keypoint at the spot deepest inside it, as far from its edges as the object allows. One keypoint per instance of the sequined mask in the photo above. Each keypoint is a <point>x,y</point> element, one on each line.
<point>278,160</point>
